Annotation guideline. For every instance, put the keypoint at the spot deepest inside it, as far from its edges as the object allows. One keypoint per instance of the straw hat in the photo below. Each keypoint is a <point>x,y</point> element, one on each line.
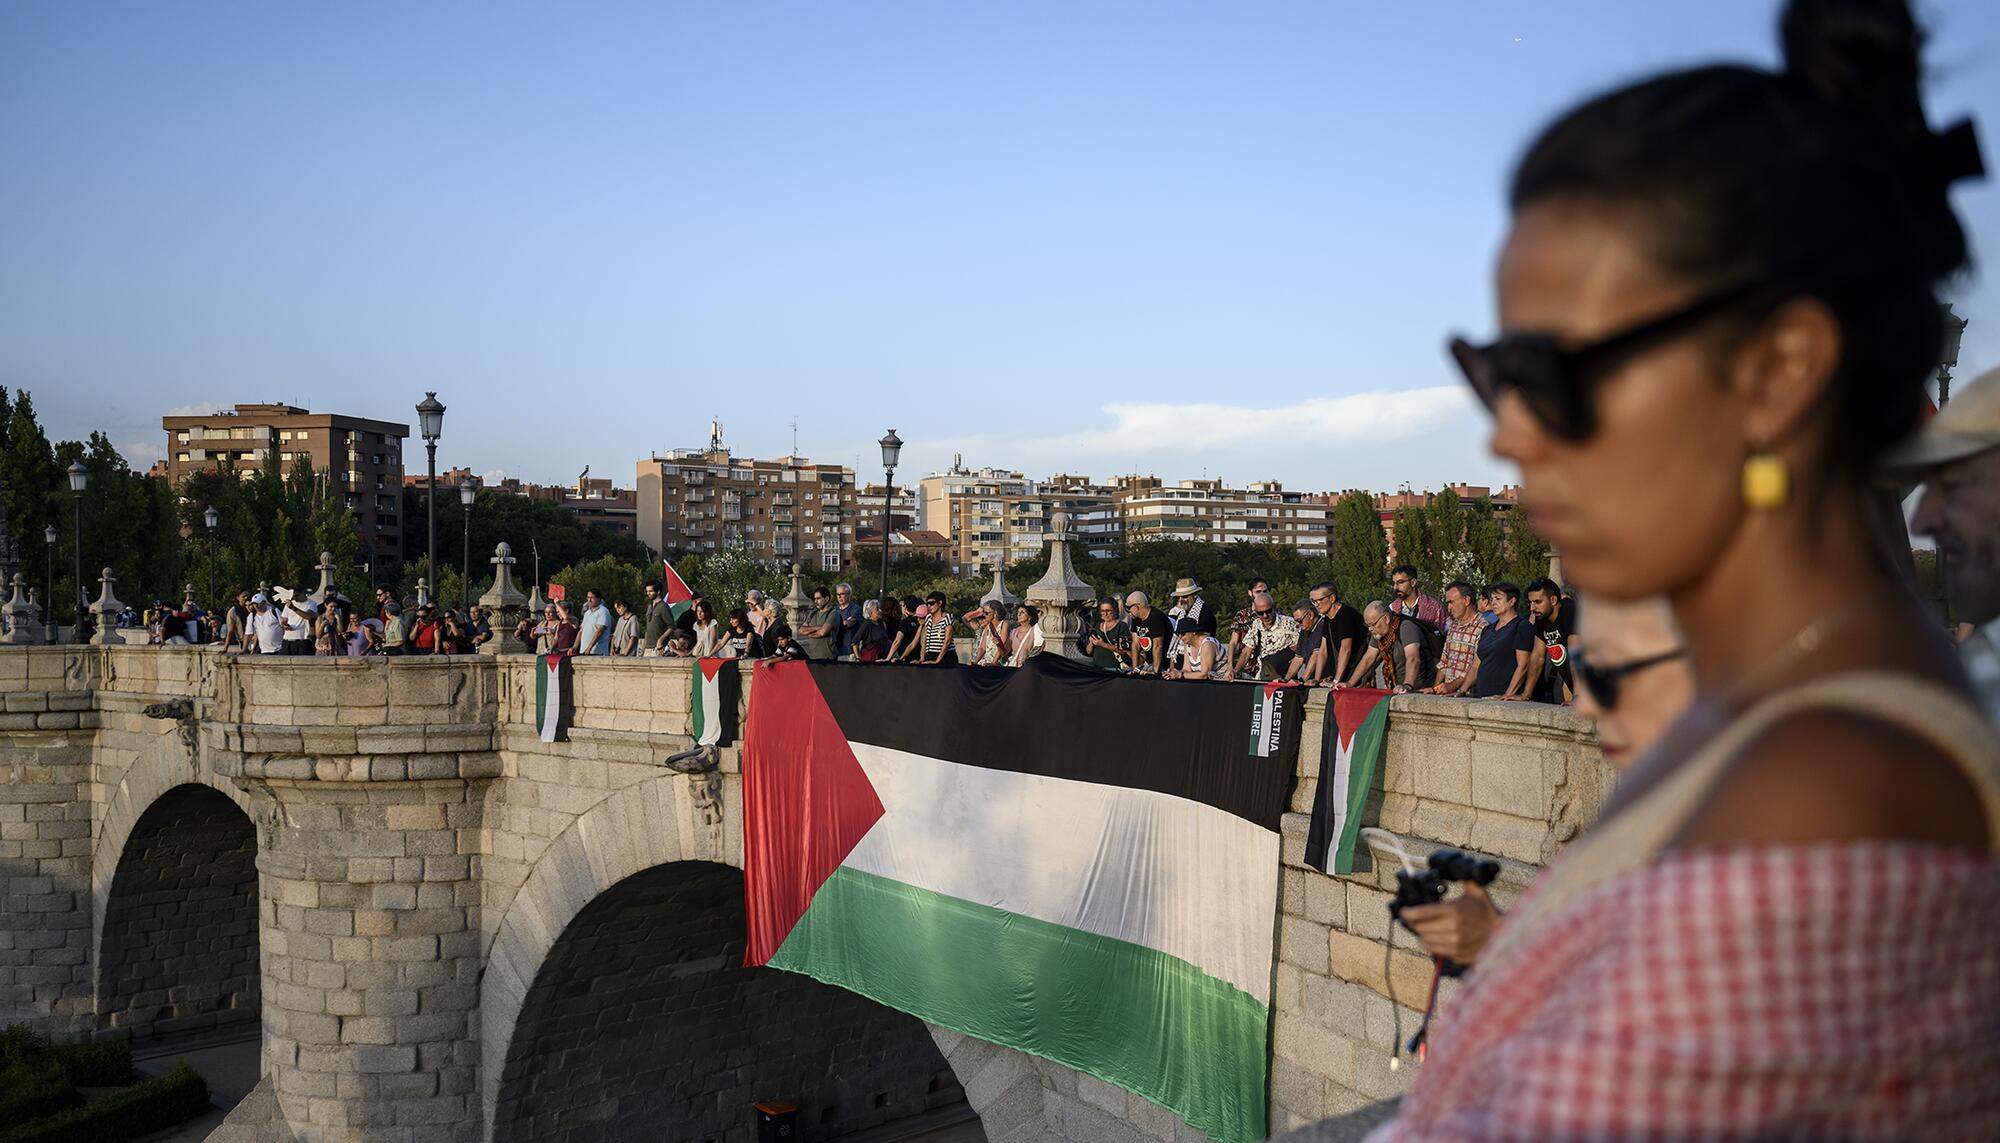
<point>1186,587</point>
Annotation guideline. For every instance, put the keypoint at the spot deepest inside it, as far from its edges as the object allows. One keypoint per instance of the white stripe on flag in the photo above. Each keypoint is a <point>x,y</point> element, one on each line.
<point>1171,874</point>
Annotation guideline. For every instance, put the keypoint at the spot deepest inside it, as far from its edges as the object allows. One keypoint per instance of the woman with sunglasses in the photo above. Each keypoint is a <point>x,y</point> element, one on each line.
<point>1719,306</point>
<point>1633,680</point>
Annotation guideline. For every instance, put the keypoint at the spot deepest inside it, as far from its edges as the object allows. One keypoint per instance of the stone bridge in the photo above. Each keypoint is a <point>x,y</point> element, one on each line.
<point>446,928</point>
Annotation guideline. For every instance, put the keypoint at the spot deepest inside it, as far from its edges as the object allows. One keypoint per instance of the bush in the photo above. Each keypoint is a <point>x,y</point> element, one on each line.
<point>32,1087</point>
<point>18,1040</point>
<point>142,1109</point>
<point>96,1065</point>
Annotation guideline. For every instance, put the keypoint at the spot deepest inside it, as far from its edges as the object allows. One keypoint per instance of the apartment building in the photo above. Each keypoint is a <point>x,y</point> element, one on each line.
<point>362,459</point>
<point>788,509</point>
<point>1262,512</point>
<point>992,517</point>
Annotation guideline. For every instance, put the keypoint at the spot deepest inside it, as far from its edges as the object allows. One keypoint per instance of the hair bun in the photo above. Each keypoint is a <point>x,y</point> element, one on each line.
<point>1862,56</point>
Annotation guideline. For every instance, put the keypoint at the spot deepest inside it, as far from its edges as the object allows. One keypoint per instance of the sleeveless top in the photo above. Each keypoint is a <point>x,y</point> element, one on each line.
<point>1835,990</point>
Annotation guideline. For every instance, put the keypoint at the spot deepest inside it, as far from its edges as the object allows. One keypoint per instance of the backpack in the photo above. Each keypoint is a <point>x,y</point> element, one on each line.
<point>1433,638</point>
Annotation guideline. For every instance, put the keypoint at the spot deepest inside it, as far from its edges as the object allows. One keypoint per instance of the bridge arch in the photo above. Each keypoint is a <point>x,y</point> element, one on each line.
<point>636,907</point>
<point>177,920</point>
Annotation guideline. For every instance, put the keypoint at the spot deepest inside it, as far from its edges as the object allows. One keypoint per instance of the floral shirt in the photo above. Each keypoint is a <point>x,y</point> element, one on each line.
<point>1461,647</point>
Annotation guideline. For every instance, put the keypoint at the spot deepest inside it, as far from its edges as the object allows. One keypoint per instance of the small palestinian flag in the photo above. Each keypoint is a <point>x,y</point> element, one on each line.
<point>553,702</point>
<point>1268,721</point>
<point>1072,864</point>
<point>1356,729</point>
<point>717,689</point>
<point>679,596</point>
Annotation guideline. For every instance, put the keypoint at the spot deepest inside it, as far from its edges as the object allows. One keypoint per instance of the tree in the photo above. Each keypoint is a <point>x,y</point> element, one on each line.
<point>527,525</point>
<point>1360,550</point>
<point>1446,519</point>
<point>1527,553</point>
<point>1483,543</point>
<point>611,578</point>
<point>1415,546</point>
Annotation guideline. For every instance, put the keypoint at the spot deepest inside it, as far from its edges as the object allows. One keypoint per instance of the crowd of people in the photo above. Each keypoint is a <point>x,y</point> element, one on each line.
<point>1477,642</point>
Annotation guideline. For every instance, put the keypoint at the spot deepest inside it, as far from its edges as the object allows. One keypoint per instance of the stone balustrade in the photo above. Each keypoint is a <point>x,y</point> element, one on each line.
<point>420,851</point>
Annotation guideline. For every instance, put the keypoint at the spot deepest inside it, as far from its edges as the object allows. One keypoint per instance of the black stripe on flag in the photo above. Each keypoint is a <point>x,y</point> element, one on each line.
<point>1062,720</point>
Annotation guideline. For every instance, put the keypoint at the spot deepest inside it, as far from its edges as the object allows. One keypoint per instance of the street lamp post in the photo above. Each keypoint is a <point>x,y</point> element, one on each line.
<point>892,450</point>
<point>467,492</point>
<point>49,604</point>
<point>211,518</point>
<point>430,422</point>
<point>79,479</point>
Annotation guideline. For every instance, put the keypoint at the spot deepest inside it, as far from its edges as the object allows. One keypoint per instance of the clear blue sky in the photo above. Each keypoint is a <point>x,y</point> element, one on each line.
<point>1078,237</point>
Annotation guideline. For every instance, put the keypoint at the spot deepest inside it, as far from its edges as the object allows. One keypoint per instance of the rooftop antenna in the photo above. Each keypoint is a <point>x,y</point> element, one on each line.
<point>795,438</point>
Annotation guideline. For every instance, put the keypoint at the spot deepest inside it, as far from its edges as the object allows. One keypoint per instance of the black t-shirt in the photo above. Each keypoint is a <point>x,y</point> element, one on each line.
<point>685,620</point>
<point>1309,642</point>
<point>1153,627</point>
<point>1497,646</point>
<point>1345,624</point>
<point>1555,634</point>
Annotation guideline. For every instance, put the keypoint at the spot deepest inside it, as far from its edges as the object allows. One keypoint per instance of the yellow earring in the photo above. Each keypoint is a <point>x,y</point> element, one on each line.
<point>1766,482</point>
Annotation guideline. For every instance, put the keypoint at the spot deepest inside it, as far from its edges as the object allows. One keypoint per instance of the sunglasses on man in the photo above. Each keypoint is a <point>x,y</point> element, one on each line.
<point>1557,383</point>
<point>1603,682</point>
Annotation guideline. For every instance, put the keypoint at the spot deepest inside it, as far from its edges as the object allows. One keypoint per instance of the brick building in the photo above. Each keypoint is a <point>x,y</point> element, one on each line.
<point>788,509</point>
<point>361,458</point>
<point>993,517</point>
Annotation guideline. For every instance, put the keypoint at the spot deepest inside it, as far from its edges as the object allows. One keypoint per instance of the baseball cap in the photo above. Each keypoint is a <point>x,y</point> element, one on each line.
<point>1967,426</point>
<point>259,598</point>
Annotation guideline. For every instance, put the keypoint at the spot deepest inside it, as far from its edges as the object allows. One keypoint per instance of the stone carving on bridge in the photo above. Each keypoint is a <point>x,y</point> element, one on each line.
<point>105,612</point>
<point>796,600</point>
<point>999,594</point>
<point>1061,594</point>
<point>326,590</point>
<point>20,614</point>
<point>504,605</point>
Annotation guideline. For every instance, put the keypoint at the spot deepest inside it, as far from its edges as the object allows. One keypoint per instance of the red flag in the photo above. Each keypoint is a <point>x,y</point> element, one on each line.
<point>679,597</point>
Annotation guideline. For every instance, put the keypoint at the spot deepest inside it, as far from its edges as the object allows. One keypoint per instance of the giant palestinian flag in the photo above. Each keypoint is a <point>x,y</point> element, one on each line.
<point>1073,864</point>
<point>553,701</point>
<point>1357,726</point>
<point>717,688</point>
<point>679,596</point>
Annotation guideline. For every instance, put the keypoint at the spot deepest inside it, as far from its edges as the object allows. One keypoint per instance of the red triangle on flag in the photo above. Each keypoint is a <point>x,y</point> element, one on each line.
<point>678,591</point>
<point>806,803</point>
<point>1351,708</point>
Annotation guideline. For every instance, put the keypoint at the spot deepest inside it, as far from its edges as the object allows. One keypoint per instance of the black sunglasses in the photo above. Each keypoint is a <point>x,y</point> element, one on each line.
<point>1603,681</point>
<point>1555,382</point>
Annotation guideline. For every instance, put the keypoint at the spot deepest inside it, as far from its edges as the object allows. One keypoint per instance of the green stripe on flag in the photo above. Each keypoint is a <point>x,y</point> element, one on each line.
<point>1091,1002</point>
<point>1364,757</point>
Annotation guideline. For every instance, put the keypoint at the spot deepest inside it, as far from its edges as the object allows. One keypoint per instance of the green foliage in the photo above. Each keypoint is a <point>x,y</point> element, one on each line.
<point>612,578</point>
<point>1486,558</point>
<point>1446,521</point>
<point>142,1109</point>
<point>32,1087</point>
<point>272,528</point>
<point>1360,550</point>
<point>1527,553</point>
<point>526,525</point>
<point>101,1064</point>
<point>726,576</point>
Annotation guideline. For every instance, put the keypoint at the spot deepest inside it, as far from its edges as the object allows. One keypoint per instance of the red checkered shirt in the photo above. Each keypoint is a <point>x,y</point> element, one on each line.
<point>1838,991</point>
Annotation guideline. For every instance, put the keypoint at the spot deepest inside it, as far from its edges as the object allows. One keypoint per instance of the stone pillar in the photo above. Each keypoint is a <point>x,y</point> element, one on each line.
<point>999,594</point>
<point>1061,594</point>
<point>21,616</point>
<point>796,600</point>
<point>369,912</point>
<point>105,611</point>
<point>423,591</point>
<point>326,590</point>
<point>504,605</point>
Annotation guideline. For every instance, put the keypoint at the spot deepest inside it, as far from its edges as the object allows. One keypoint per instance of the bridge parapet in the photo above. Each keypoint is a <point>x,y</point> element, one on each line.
<point>420,851</point>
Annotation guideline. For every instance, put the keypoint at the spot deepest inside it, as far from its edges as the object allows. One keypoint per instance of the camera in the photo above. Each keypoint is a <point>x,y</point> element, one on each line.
<point>1428,887</point>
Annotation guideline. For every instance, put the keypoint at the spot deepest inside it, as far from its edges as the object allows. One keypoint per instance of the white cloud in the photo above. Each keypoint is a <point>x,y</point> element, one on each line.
<point>1379,416</point>
<point>1367,440</point>
<point>199,409</point>
<point>141,454</point>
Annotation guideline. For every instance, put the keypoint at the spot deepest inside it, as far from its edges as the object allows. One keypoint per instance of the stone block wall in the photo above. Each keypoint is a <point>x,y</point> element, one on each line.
<point>591,1059</point>
<point>1512,781</point>
<point>179,941</point>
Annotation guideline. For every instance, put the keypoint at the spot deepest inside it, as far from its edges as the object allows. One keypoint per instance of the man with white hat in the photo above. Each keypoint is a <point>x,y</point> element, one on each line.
<point>1188,604</point>
<point>267,631</point>
<point>1958,455</point>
